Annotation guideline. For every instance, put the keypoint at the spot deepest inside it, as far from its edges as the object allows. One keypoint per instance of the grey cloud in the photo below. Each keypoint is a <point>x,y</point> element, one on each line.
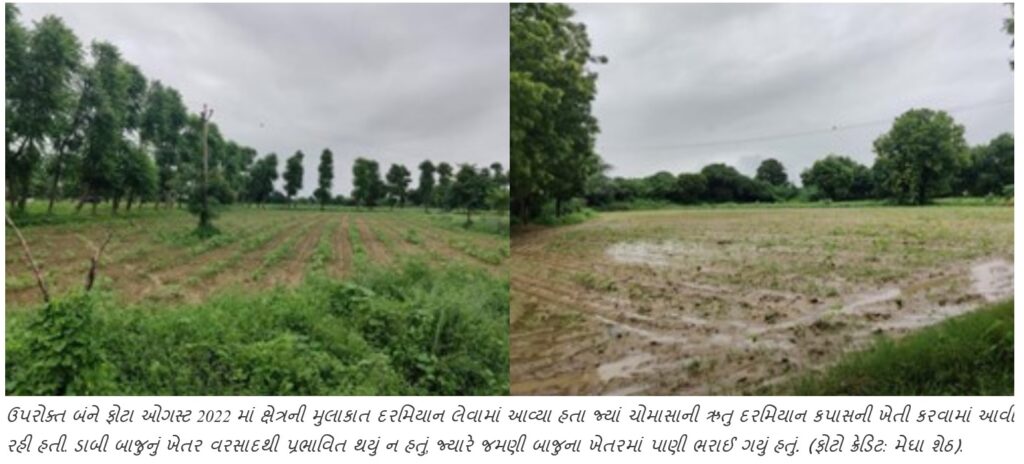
<point>399,83</point>
<point>680,75</point>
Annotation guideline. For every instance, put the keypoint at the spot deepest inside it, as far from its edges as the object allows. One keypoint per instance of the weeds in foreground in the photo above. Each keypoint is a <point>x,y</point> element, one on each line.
<point>406,330</point>
<point>970,354</point>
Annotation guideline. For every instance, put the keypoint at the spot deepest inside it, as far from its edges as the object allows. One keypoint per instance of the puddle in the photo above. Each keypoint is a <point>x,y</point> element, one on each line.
<point>652,253</point>
<point>993,279</point>
<point>624,367</point>
<point>866,300</point>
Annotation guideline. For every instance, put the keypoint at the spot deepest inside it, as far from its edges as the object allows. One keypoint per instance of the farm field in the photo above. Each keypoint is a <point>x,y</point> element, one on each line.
<point>368,303</point>
<point>738,300</point>
<point>152,258</point>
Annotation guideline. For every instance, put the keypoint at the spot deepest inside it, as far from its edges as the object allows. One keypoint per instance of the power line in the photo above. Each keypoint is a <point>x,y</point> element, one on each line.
<point>789,135</point>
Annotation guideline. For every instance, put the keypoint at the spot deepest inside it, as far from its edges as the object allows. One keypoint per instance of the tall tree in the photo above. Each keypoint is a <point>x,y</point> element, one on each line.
<point>261,179</point>
<point>398,178</point>
<point>326,171</point>
<point>444,185</point>
<point>917,157</point>
<point>293,175</point>
<point>105,101</point>
<point>425,189</point>
<point>162,122</point>
<point>551,88</point>
<point>42,96</point>
<point>772,172</point>
<point>470,189</point>
<point>368,186</point>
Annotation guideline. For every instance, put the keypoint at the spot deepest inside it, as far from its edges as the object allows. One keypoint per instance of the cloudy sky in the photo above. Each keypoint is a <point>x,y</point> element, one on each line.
<point>398,83</point>
<point>688,85</point>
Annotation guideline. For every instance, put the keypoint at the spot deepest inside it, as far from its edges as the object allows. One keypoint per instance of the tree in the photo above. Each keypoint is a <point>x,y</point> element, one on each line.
<point>293,175</point>
<point>660,186</point>
<point>163,120</point>
<point>444,185</point>
<point>917,157</point>
<point>425,189</point>
<point>398,178</point>
<point>326,171</point>
<point>261,179</point>
<point>988,170</point>
<point>726,184</point>
<point>105,99</point>
<point>690,188</point>
<point>470,189</point>
<point>838,178</point>
<point>772,172</point>
<point>41,95</point>
<point>369,189</point>
<point>551,90</point>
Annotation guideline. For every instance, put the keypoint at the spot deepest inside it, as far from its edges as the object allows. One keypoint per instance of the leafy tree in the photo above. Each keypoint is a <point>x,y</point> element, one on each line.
<point>444,185</point>
<point>398,178</point>
<point>326,171</point>
<point>293,175</point>
<point>261,179</point>
<point>838,178</point>
<point>135,94</point>
<point>470,189</point>
<point>772,172</point>
<point>660,186</point>
<point>917,157</point>
<point>163,120</point>
<point>425,189</point>
<point>726,184</point>
<point>105,99</point>
<point>140,175</point>
<point>41,95</point>
<point>690,188</point>
<point>551,90</point>
<point>988,170</point>
<point>369,189</point>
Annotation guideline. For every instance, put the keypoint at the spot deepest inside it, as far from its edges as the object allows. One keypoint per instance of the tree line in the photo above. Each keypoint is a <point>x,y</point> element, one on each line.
<point>90,126</point>
<point>922,157</point>
<point>552,86</point>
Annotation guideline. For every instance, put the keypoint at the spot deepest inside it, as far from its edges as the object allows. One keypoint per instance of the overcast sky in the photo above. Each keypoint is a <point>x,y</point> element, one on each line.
<point>681,78</point>
<point>398,83</point>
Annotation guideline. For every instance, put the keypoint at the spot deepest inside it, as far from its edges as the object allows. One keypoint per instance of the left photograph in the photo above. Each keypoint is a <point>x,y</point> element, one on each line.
<point>257,199</point>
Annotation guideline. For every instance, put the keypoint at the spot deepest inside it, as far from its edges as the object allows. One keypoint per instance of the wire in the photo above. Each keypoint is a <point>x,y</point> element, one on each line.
<point>837,128</point>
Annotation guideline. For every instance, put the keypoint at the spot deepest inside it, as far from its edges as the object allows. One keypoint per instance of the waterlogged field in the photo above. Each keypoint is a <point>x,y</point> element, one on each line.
<point>297,302</point>
<point>719,301</point>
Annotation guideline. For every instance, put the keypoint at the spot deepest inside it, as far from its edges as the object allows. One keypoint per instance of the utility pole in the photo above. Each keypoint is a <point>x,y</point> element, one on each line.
<point>204,215</point>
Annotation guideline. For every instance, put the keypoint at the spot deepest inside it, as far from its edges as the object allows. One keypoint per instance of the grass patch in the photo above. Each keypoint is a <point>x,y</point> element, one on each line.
<point>967,355</point>
<point>406,330</point>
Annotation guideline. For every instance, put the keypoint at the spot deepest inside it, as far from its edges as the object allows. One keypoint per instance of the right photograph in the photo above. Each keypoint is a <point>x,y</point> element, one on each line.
<point>770,199</point>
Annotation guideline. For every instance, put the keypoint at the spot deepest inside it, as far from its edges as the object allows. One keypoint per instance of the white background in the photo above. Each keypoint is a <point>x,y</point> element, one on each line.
<point>981,441</point>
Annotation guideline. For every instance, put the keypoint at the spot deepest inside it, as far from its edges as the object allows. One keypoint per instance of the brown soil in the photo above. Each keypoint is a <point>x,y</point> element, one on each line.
<point>596,312</point>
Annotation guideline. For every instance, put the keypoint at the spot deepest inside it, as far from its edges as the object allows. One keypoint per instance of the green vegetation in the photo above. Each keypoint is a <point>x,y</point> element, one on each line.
<point>410,330</point>
<point>967,355</point>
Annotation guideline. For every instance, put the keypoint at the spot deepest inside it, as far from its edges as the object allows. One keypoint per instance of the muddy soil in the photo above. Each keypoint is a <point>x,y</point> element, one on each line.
<point>664,316</point>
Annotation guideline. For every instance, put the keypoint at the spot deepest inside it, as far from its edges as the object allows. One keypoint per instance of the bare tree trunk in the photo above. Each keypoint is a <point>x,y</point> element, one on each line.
<point>31,261</point>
